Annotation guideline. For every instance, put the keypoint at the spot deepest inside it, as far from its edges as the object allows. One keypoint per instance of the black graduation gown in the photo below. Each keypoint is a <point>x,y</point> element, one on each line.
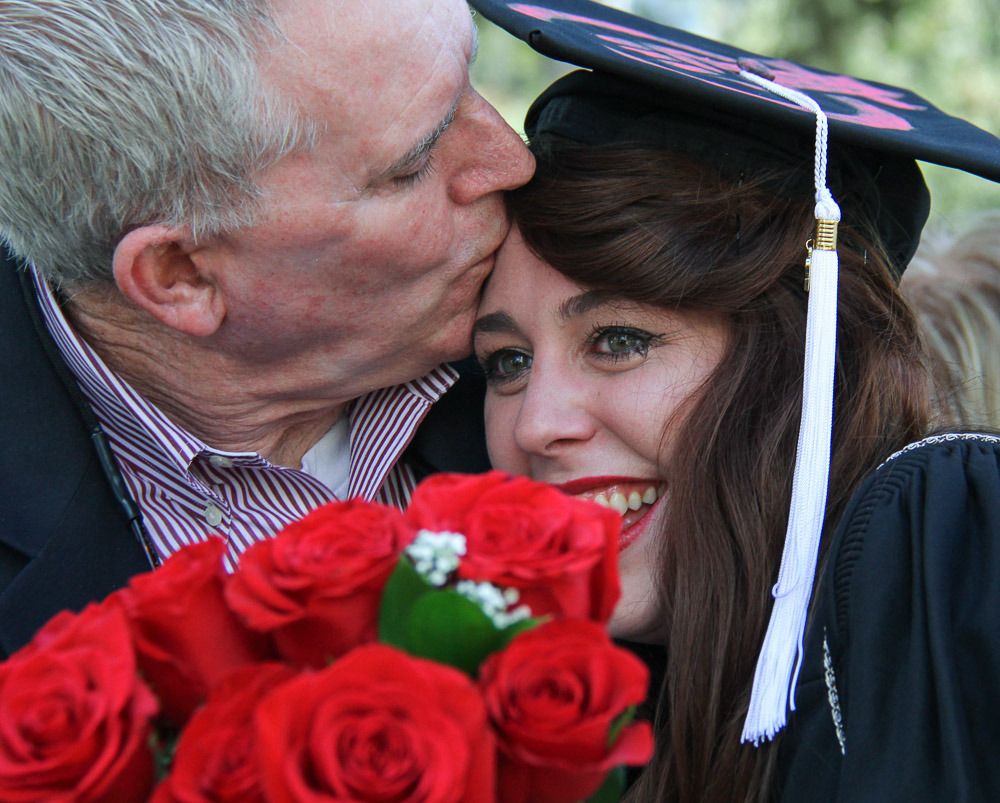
<point>908,606</point>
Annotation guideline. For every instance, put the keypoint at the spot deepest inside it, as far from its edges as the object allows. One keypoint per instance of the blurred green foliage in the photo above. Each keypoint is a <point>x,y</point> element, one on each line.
<point>947,51</point>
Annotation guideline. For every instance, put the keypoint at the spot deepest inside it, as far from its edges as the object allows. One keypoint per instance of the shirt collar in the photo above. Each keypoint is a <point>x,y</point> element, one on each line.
<point>115,400</point>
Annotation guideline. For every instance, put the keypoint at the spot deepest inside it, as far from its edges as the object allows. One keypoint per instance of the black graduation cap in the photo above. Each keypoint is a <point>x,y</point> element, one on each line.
<point>653,83</point>
<point>707,73</point>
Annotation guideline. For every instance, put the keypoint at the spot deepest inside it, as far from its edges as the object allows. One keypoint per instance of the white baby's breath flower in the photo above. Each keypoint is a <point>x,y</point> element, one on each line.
<point>436,555</point>
<point>494,602</point>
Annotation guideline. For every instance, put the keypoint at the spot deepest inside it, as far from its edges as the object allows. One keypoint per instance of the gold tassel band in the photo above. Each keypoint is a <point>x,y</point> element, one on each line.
<point>826,235</point>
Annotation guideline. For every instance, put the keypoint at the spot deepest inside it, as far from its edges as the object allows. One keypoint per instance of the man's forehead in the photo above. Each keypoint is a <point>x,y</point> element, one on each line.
<point>359,42</point>
<point>379,87</point>
<point>424,142</point>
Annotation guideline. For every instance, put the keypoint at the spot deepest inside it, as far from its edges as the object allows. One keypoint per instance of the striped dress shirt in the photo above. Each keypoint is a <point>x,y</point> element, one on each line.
<point>188,490</point>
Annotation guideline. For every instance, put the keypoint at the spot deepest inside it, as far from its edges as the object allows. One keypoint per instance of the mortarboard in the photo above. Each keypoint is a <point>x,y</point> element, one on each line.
<point>670,86</point>
<point>707,73</point>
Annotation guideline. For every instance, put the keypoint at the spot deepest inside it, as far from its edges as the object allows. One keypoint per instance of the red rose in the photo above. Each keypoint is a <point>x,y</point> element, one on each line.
<point>316,586</point>
<point>216,758</point>
<point>553,695</point>
<point>74,716</point>
<point>185,636</point>
<point>377,725</point>
<point>561,553</point>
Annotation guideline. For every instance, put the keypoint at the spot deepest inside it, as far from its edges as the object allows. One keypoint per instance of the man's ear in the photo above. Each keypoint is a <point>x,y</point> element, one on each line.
<point>154,269</point>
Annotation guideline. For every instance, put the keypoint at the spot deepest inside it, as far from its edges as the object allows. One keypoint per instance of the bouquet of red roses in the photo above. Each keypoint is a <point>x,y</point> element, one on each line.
<point>457,652</point>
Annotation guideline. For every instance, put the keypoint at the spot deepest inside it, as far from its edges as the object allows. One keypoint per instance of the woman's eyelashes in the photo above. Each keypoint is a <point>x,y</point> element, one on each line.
<point>620,345</point>
<point>621,342</point>
<point>505,365</point>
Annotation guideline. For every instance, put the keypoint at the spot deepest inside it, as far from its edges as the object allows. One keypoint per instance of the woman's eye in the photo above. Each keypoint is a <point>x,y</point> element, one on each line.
<point>620,343</point>
<point>505,365</point>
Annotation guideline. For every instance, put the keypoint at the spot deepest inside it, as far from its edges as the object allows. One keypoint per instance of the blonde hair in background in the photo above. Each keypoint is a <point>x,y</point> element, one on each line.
<point>953,285</point>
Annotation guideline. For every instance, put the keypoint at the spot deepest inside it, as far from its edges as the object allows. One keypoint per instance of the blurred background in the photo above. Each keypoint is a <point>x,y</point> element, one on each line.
<point>947,51</point>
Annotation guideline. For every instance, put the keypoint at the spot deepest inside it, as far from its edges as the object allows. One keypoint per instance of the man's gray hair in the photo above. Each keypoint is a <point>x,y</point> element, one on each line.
<point>116,114</point>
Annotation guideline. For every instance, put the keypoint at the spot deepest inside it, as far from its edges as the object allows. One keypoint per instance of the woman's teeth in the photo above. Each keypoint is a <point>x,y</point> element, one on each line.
<point>624,502</point>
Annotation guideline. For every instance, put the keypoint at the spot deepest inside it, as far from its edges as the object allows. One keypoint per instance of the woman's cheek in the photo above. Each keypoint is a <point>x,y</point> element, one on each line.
<point>501,417</point>
<point>636,617</point>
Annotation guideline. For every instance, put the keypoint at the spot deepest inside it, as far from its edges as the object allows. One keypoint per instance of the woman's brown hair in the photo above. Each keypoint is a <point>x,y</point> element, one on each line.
<point>660,228</point>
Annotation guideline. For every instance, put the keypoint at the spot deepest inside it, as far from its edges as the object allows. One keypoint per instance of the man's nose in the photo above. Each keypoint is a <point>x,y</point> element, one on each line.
<point>498,159</point>
<point>554,416</point>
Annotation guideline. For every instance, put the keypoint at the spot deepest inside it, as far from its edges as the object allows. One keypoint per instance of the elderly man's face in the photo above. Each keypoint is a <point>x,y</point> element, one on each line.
<point>369,255</point>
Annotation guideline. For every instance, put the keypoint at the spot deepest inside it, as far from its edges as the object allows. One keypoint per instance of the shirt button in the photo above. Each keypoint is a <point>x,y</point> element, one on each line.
<point>213,516</point>
<point>219,461</point>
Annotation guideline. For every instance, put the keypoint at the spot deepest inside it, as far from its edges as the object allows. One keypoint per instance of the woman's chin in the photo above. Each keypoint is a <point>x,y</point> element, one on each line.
<point>637,616</point>
<point>635,623</point>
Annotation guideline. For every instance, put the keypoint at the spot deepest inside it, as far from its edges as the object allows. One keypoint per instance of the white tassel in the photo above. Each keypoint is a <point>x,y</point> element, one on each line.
<point>780,657</point>
<point>781,654</point>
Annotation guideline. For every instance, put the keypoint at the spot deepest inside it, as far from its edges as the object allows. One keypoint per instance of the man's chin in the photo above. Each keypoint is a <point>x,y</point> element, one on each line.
<point>453,341</point>
<point>421,365</point>
<point>455,354</point>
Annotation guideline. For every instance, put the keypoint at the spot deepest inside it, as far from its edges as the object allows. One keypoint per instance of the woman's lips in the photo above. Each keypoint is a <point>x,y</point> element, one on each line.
<point>633,499</point>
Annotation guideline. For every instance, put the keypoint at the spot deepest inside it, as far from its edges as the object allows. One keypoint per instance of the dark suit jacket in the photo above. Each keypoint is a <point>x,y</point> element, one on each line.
<point>65,539</point>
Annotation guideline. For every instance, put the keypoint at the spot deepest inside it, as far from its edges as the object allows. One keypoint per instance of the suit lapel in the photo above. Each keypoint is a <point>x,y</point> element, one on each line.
<point>64,539</point>
<point>452,436</point>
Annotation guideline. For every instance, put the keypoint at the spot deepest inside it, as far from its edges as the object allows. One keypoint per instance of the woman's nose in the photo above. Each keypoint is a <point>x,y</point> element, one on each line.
<point>553,417</point>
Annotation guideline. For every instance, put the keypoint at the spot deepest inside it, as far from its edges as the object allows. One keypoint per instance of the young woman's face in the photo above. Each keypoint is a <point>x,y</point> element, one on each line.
<point>590,392</point>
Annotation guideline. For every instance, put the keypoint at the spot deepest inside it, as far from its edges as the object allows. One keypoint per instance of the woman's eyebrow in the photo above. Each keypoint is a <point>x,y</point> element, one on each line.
<point>503,323</point>
<point>585,302</point>
<point>500,322</point>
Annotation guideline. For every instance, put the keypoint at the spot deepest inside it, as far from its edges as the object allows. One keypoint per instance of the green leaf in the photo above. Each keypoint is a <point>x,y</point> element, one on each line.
<point>163,745</point>
<point>509,632</point>
<point>612,788</point>
<point>450,629</point>
<point>623,719</point>
<point>401,593</point>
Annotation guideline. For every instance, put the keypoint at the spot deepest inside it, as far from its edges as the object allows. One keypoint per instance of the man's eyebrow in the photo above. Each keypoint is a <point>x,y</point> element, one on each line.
<point>498,322</point>
<point>415,155</point>
<point>409,161</point>
<point>475,44</point>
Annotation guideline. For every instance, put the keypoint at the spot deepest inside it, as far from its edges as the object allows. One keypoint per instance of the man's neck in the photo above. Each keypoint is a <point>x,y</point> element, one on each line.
<point>230,405</point>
